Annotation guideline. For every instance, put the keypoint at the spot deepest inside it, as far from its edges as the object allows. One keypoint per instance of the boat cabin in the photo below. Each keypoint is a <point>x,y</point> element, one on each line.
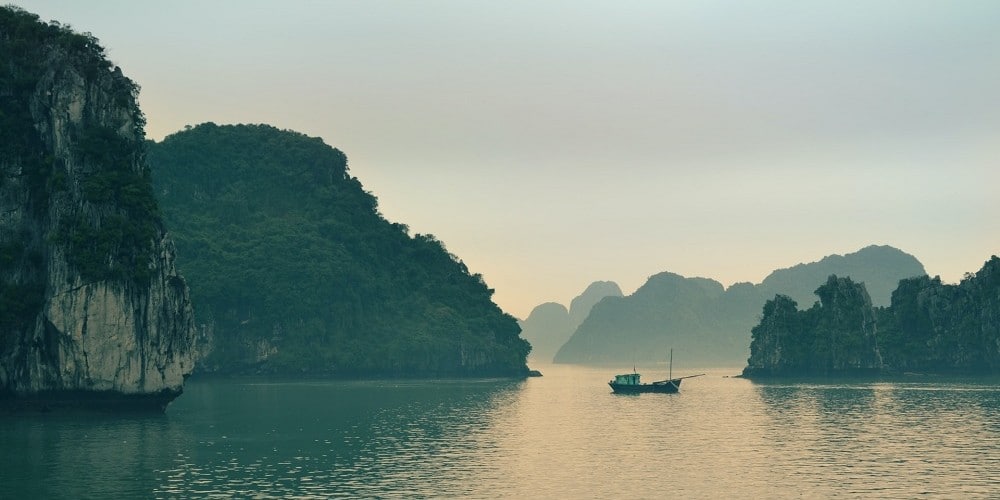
<point>627,379</point>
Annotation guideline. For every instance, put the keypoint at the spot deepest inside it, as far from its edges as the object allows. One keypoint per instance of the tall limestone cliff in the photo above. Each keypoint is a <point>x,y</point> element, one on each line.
<point>836,336</point>
<point>91,307</point>
<point>933,327</point>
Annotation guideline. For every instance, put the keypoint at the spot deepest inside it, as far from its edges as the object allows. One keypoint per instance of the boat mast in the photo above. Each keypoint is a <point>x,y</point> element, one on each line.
<point>670,372</point>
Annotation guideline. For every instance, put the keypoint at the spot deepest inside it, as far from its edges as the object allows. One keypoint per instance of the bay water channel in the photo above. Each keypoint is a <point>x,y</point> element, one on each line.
<point>564,435</point>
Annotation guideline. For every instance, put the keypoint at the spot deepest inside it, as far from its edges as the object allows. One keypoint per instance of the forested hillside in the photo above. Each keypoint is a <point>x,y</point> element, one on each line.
<point>836,335</point>
<point>936,327</point>
<point>292,268</point>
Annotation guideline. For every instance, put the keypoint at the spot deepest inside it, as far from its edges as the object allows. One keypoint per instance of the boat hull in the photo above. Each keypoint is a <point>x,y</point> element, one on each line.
<point>664,387</point>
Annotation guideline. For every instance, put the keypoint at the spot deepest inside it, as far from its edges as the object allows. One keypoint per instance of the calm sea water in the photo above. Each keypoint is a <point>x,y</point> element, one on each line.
<point>560,436</point>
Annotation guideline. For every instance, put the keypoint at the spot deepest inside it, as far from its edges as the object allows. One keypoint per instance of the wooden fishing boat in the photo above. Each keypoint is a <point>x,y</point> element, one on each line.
<point>630,383</point>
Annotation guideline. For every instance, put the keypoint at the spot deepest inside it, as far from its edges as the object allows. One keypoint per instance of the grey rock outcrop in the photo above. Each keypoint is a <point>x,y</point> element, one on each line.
<point>837,336</point>
<point>930,327</point>
<point>933,327</point>
<point>92,308</point>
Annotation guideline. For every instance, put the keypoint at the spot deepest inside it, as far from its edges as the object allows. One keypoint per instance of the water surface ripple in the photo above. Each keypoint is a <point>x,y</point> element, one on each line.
<point>560,436</point>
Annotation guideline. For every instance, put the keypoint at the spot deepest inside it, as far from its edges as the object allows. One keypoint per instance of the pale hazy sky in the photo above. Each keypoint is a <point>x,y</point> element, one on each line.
<point>552,144</point>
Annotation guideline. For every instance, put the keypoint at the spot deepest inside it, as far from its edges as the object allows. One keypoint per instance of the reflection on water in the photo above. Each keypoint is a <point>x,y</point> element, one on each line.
<point>560,436</point>
<point>325,438</point>
<point>887,439</point>
<point>103,456</point>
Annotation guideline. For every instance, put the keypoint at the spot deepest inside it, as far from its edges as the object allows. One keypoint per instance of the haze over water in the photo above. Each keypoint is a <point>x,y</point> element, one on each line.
<point>560,436</point>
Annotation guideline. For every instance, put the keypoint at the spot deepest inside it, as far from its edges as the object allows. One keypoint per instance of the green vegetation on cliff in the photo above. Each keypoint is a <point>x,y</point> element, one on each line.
<point>108,229</point>
<point>90,303</point>
<point>835,335</point>
<point>23,42</point>
<point>929,327</point>
<point>934,327</point>
<point>292,268</point>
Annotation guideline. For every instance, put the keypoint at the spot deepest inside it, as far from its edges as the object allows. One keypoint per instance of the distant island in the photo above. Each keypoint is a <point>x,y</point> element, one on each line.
<point>294,271</point>
<point>708,324</point>
<point>929,327</point>
<point>550,325</point>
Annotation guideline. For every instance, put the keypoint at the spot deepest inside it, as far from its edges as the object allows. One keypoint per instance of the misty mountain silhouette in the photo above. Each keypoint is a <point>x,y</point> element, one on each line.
<point>709,324</point>
<point>550,325</point>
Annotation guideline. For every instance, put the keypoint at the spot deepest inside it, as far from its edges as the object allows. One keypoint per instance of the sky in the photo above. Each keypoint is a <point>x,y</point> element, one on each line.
<point>553,144</point>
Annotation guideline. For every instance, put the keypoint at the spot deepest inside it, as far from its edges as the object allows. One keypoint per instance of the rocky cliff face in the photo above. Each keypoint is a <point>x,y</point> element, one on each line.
<point>90,302</point>
<point>930,327</point>
<point>940,328</point>
<point>837,336</point>
<point>775,348</point>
